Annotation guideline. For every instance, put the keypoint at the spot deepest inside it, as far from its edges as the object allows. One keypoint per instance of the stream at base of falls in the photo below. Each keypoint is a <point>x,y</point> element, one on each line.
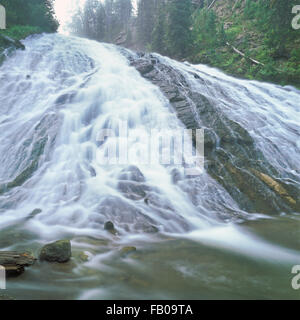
<point>191,237</point>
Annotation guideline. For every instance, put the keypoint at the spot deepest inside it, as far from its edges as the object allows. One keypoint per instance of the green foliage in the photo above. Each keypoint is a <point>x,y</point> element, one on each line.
<point>146,20</point>
<point>205,29</point>
<point>36,13</point>
<point>208,33</point>
<point>263,32</point>
<point>159,41</point>
<point>179,28</point>
<point>20,32</point>
<point>250,9</point>
<point>186,29</point>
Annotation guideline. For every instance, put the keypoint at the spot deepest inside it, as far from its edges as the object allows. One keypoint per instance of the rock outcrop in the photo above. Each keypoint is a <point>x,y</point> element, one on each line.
<point>232,157</point>
<point>9,43</point>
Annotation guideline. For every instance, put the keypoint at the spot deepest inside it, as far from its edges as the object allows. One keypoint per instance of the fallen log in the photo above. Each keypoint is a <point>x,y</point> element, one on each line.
<point>243,55</point>
<point>211,5</point>
<point>15,262</point>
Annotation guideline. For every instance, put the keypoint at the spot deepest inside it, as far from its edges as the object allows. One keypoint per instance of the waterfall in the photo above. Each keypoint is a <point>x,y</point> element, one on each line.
<point>56,97</point>
<point>61,92</point>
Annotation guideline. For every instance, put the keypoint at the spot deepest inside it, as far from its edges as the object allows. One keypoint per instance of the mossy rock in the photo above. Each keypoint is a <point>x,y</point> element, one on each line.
<point>80,256</point>
<point>59,251</point>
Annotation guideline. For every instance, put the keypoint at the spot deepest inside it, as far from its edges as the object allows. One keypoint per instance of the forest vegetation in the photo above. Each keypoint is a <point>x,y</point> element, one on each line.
<point>252,39</point>
<point>203,31</point>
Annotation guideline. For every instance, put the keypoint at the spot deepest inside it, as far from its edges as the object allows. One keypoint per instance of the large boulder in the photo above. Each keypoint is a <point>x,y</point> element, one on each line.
<point>59,251</point>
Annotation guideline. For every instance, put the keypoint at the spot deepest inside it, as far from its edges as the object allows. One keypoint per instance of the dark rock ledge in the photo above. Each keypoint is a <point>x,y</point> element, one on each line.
<point>232,157</point>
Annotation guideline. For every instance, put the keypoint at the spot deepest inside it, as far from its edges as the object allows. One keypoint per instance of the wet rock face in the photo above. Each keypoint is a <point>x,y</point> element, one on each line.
<point>10,45</point>
<point>11,42</point>
<point>132,173</point>
<point>132,190</point>
<point>6,42</point>
<point>35,147</point>
<point>133,216</point>
<point>123,214</point>
<point>143,66</point>
<point>232,158</point>
<point>132,183</point>
<point>59,251</point>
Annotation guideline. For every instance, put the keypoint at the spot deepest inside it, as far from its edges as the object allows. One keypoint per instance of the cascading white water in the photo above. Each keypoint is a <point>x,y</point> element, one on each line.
<point>61,91</point>
<point>73,88</point>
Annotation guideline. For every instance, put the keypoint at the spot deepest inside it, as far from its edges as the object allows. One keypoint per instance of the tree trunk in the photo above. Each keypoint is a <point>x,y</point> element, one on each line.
<point>243,55</point>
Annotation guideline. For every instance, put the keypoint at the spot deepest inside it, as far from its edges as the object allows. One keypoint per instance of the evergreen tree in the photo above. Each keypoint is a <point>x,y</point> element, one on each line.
<point>100,22</point>
<point>39,13</point>
<point>89,19</point>
<point>205,30</point>
<point>158,42</point>
<point>146,20</point>
<point>179,28</point>
<point>123,10</point>
<point>280,23</point>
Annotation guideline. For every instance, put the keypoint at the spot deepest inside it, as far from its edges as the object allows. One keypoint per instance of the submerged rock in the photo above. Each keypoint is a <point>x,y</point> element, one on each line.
<point>127,250</point>
<point>176,176</point>
<point>132,190</point>
<point>109,226</point>
<point>34,213</point>
<point>59,251</point>
<point>128,215</point>
<point>80,256</point>
<point>132,173</point>
<point>150,229</point>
